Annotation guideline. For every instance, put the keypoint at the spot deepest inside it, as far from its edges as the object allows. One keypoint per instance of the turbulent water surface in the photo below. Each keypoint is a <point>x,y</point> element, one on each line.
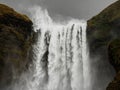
<point>60,59</point>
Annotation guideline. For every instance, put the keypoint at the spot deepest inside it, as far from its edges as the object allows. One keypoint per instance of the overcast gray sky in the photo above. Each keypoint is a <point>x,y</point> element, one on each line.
<point>82,9</point>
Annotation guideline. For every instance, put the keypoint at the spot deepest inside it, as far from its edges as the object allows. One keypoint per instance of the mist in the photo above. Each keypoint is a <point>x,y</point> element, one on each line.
<point>67,9</point>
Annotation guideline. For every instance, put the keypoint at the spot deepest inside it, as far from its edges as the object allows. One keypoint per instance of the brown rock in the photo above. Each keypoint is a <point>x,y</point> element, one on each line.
<point>15,44</point>
<point>114,57</point>
<point>102,29</point>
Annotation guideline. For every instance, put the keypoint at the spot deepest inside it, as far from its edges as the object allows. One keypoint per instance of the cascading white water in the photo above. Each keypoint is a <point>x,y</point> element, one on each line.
<point>61,60</point>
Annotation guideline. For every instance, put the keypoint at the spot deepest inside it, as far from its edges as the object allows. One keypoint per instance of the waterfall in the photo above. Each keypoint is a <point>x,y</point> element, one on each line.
<point>61,58</point>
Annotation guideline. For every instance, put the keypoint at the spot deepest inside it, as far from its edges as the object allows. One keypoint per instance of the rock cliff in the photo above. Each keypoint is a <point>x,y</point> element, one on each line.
<point>15,44</point>
<point>103,34</point>
<point>114,57</point>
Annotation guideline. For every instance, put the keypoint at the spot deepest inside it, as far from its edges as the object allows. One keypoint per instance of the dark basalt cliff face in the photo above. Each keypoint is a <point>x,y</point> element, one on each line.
<point>114,57</point>
<point>15,44</point>
<point>103,34</point>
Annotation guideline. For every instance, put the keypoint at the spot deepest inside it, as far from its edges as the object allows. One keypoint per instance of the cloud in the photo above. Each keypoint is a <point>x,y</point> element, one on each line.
<point>72,8</point>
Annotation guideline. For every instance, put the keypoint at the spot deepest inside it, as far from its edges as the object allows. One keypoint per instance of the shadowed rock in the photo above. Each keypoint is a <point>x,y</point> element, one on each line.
<point>15,44</point>
<point>102,29</point>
